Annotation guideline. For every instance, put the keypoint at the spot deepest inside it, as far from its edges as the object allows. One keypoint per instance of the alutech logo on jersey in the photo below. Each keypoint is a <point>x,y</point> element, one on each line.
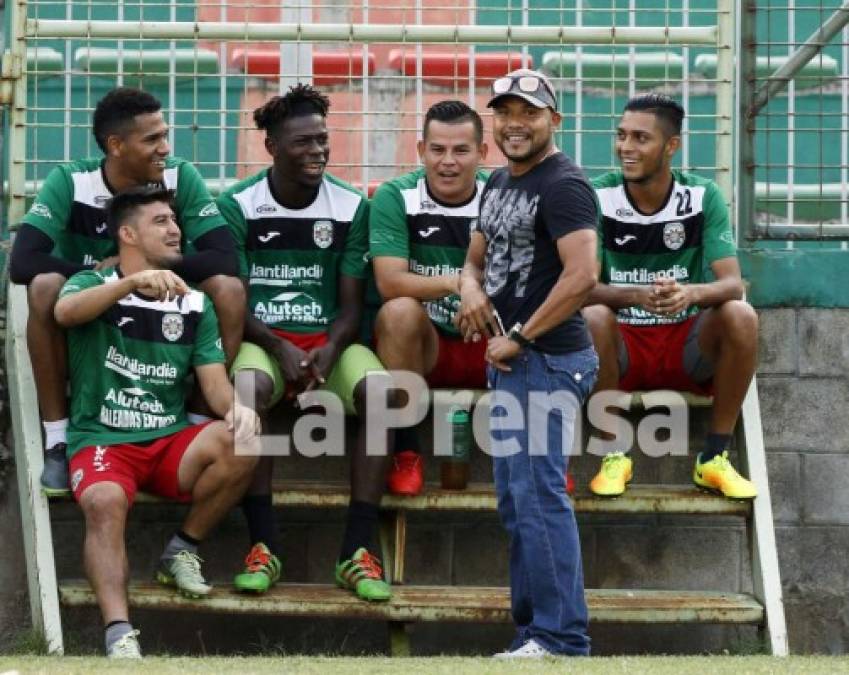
<point>290,306</point>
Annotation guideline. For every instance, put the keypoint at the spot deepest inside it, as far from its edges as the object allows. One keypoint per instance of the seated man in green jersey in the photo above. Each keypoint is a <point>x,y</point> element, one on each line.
<point>134,333</point>
<point>657,321</point>
<point>419,228</point>
<point>65,232</point>
<point>301,237</point>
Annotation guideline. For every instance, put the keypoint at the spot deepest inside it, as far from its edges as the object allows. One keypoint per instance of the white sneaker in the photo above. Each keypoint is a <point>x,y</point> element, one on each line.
<point>530,650</point>
<point>183,572</point>
<point>126,647</point>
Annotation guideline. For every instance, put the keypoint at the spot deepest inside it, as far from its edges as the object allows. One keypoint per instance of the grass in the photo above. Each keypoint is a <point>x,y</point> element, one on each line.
<point>303,665</point>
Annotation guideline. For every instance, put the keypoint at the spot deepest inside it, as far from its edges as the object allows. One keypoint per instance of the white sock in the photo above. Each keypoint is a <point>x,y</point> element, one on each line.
<point>55,432</point>
<point>197,418</point>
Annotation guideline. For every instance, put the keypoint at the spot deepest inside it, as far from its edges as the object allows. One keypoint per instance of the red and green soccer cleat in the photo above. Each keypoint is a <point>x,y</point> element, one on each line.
<point>262,570</point>
<point>363,575</point>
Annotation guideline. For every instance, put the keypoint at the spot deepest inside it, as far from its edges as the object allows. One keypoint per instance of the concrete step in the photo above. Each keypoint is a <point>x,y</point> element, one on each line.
<point>435,603</point>
<point>672,499</point>
<point>669,499</point>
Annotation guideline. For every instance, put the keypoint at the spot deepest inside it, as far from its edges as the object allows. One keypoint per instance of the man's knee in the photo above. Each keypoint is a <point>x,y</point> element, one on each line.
<point>223,448</point>
<point>382,389</point>
<point>104,504</point>
<point>740,320</point>
<point>227,293</point>
<point>257,383</point>
<point>399,318</point>
<point>42,293</point>
<point>600,319</point>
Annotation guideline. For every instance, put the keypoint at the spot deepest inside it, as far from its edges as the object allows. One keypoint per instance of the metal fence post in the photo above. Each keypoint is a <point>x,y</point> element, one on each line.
<point>725,98</point>
<point>745,133</point>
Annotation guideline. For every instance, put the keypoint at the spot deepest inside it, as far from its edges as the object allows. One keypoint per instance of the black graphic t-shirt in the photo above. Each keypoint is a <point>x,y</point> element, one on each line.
<point>522,218</point>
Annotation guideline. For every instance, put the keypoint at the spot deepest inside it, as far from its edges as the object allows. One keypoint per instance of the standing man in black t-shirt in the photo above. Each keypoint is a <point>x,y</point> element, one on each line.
<point>536,236</point>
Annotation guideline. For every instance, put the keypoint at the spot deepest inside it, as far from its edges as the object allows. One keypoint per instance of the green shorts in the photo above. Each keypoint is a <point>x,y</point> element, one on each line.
<point>352,366</point>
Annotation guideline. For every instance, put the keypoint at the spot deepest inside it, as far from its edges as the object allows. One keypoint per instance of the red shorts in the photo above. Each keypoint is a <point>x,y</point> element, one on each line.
<point>459,364</point>
<point>305,341</point>
<point>150,466</point>
<point>656,358</point>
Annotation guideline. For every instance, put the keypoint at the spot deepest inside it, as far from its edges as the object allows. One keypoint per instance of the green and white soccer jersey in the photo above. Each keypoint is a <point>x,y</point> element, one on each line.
<point>127,366</point>
<point>407,222</point>
<point>293,258</point>
<point>70,209</point>
<point>681,240</point>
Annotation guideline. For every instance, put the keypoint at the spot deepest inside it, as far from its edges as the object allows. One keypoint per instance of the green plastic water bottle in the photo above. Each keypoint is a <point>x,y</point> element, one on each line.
<point>454,472</point>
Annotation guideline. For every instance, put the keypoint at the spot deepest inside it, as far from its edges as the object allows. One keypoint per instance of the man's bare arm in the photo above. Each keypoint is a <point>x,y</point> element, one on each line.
<point>618,297</point>
<point>475,314</point>
<point>219,393</point>
<point>216,387</point>
<point>577,253</point>
<point>667,296</point>
<point>395,280</point>
<point>88,304</point>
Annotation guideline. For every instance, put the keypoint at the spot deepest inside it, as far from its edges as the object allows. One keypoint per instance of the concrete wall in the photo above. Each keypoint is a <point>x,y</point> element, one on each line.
<point>804,395</point>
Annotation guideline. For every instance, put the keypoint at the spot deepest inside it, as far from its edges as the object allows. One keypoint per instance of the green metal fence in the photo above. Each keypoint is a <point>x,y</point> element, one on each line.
<point>794,122</point>
<point>211,64</point>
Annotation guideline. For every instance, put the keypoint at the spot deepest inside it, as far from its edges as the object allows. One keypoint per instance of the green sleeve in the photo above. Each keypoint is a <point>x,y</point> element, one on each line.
<point>197,213</point>
<point>232,213</point>
<point>718,239</point>
<point>355,255</point>
<point>80,282</point>
<point>51,210</point>
<point>388,233</point>
<point>208,347</point>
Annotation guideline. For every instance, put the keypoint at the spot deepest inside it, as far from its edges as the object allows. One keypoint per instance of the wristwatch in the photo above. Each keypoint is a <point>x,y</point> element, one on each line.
<point>515,334</point>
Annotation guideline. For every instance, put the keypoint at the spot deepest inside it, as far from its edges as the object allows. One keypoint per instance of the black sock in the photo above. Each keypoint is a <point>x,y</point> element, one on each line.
<point>715,444</point>
<point>262,526</point>
<point>188,538</point>
<point>359,532</point>
<point>407,438</point>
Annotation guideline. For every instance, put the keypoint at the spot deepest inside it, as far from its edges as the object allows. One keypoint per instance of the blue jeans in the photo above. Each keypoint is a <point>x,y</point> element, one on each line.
<point>546,575</point>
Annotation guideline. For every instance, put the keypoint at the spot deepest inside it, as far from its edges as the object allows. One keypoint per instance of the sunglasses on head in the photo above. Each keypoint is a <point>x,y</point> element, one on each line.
<point>528,84</point>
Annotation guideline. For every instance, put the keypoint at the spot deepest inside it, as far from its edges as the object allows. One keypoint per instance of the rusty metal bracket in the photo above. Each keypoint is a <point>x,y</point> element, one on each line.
<point>11,70</point>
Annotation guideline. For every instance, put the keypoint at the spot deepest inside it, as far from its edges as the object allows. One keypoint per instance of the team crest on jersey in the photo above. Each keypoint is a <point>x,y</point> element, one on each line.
<point>674,235</point>
<point>322,233</point>
<point>172,327</point>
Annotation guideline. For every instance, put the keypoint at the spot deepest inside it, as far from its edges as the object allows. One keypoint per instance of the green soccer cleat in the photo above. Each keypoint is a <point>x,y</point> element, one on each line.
<point>262,571</point>
<point>363,575</point>
<point>183,572</point>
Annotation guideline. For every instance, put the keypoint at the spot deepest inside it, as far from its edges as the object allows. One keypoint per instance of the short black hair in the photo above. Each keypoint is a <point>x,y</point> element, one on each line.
<point>453,112</point>
<point>123,205</point>
<point>116,110</point>
<point>668,111</point>
<point>302,99</point>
